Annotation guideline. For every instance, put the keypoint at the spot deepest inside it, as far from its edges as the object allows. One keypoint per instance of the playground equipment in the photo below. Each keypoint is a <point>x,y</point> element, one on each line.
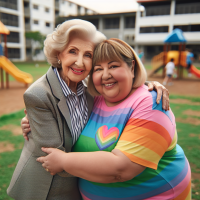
<point>159,61</point>
<point>8,66</point>
<point>11,69</point>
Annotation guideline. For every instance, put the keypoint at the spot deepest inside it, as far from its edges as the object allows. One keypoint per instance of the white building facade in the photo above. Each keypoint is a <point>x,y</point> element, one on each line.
<point>12,15</point>
<point>21,16</point>
<point>159,19</point>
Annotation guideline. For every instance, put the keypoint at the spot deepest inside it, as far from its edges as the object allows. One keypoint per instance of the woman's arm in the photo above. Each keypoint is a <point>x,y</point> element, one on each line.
<point>101,166</point>
<point>162,92</point>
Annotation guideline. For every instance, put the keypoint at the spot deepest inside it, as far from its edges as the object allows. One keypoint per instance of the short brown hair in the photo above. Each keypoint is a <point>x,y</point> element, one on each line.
<point>116,49</point>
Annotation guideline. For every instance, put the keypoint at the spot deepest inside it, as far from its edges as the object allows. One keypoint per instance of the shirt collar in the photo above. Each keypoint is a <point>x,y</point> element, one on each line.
<point>66,90</point>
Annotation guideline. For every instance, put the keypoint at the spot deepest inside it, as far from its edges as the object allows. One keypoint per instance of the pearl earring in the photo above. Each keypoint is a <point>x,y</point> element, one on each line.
<point>59,62</point>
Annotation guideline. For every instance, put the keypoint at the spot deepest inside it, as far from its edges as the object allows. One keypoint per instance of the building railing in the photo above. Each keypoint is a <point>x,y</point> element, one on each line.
<point>27,27</point>
<point>27,12</point>
<point>28,42</point>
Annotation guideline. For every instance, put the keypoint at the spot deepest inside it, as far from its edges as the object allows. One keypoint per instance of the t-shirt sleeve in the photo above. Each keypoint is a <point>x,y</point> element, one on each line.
<point>148,133</point>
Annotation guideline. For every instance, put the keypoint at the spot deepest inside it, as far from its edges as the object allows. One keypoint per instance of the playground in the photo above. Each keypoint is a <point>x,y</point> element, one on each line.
<point>184,101</point>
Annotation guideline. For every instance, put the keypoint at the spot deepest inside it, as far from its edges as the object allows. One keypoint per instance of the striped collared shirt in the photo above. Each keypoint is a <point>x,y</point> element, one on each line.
<point>77,105</point>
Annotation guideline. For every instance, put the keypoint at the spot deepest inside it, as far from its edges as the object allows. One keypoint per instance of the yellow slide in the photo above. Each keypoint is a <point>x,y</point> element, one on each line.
<point>11,69</point>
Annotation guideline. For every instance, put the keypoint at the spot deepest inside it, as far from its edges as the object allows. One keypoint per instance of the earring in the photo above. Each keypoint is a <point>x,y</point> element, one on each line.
<point>59,62</point>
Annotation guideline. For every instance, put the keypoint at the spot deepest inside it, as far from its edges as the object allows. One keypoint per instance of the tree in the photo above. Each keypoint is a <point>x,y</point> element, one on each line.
<point>37,37</point>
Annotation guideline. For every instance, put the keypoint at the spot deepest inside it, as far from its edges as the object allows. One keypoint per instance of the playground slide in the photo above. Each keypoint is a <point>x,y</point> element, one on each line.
<point>195,71</point>
<point>11,69</point>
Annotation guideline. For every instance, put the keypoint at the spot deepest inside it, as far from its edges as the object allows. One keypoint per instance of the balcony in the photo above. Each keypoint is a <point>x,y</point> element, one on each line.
<point>28,42</point>
<point>27,27</point>
<point>27,12</point>
<point>56,5</point>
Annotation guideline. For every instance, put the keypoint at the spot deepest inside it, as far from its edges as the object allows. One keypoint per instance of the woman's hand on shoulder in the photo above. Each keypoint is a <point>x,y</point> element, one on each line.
<point>161,92</point>
<point>25,126</point>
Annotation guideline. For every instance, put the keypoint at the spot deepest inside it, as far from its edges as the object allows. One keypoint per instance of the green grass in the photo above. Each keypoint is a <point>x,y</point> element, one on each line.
<point>8,160</point>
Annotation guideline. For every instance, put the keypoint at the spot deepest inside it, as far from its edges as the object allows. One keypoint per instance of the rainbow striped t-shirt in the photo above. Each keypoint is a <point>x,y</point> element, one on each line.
<point>146,134</point>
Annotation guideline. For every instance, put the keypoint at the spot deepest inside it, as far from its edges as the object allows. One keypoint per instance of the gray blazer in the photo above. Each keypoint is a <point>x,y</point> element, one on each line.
<point>50,124</point>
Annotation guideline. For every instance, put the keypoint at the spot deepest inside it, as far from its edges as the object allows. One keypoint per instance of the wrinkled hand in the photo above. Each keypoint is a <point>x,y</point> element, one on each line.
<point>25,126</point>
<point>53,161</point>
<point>161,92</point>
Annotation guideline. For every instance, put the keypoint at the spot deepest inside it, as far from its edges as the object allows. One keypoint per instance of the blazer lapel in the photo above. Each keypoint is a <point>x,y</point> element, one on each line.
<point>65,111</point>
<point>58,93</point>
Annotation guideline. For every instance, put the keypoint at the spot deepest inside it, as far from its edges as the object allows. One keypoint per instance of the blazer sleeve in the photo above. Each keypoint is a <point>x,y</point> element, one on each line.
<point>44,125</point>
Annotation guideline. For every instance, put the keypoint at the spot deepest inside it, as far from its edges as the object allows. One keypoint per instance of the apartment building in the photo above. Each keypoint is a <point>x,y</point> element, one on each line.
<point>12,15</point>
<point>161,17</point>
<point>68,8</point>
<point>145,28</point>
<point>116,25</point>
<point>21,16</point>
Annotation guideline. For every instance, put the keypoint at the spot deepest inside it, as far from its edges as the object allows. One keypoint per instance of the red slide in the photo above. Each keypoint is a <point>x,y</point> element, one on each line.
<point>195,71</point>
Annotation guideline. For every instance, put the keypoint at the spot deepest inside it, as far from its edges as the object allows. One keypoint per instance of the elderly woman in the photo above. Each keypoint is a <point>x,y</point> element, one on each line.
<point>128,149</point>
<point>58,107</point>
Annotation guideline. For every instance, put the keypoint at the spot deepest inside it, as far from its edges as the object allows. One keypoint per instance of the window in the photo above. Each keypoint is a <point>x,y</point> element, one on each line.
<point>156,29</point>
<point>11,4</point>
<point>47,10</point>
<point>79,9</point>
<point>56,12</point>
<point>27,20</point>
<point>186,7</point>
<point>13,53</point>
<point>36,22</point>
<point>150,51</point>
<point>26,4</point>
<point>37,51</point>
<point>47,24</point>
<point>189,28</point>
<point>94,22</point>
<point>12,37</point>
<point>9,20</point>
<point>28,51</point>
<point>130,22</point>
<point>157,8</point>
<point>35,7</point>
<point>111,23</point>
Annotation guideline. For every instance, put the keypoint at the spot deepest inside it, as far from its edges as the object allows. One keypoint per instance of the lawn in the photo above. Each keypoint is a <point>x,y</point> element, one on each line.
<point>186,110</point>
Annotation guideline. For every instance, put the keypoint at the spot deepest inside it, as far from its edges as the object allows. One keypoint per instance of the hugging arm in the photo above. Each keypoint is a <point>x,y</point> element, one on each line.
<point>142,144</point>
<point>44,125</point>
<point>162,92</point>
<point>100,166</point>
<point>153,85</point>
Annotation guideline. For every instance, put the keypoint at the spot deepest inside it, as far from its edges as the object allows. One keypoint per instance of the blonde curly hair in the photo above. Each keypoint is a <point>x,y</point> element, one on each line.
<point>57,41</point>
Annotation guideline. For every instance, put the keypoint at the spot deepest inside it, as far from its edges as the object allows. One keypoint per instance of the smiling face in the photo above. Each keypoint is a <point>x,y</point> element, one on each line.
<point>113,80</point>
<point>76,61</point>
